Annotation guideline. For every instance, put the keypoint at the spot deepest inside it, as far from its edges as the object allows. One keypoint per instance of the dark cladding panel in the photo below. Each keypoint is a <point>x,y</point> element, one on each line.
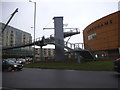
<point>59,39</point>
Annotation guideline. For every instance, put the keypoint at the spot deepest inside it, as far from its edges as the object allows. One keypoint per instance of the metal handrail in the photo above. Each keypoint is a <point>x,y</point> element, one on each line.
<point>52,39</point>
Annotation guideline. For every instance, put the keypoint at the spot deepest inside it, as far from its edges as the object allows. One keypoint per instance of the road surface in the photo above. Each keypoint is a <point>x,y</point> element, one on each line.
<point>53,78</point>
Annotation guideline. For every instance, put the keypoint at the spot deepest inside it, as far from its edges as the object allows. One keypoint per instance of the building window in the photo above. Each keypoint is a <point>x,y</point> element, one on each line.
<point>36,51</point>
<point>11,38</point>
<point>98,26</point>
<point>24,37</point>
<point>12,35</point>
<point>11,42</point>
<point>110,21</point>
<point>90,37</point>
<point>106,23</point>
<point>45,52</point>
<point>11,31</point>
<point>101,25</point>
<point>49,52</point>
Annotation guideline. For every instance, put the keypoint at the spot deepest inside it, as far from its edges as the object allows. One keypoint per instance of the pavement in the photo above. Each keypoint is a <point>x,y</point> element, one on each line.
<point>53,78</point>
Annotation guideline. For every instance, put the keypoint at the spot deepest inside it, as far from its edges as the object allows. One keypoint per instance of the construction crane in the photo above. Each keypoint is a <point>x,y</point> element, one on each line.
<point>9,20</point>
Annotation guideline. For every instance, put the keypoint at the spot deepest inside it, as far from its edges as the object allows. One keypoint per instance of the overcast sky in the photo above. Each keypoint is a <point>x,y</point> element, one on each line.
<point>76,13</point>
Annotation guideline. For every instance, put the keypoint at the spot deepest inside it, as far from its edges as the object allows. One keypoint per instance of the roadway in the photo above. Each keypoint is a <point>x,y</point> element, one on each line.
<point>52,78</point>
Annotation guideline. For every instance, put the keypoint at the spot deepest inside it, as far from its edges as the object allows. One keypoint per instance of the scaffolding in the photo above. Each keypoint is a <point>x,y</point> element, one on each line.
<point>17,53</point>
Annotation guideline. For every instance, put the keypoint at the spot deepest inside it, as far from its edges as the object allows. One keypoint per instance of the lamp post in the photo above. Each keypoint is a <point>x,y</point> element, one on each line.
<point>34,25</point>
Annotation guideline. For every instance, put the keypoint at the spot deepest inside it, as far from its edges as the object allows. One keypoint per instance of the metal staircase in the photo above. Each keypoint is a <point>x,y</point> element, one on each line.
<point>71,47</point>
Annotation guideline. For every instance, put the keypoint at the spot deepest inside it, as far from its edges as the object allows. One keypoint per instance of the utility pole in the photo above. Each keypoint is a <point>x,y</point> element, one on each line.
<point>34,25</point>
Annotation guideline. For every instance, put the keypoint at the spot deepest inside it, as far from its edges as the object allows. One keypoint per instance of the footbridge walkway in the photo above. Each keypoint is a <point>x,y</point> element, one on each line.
<point>70,47</point>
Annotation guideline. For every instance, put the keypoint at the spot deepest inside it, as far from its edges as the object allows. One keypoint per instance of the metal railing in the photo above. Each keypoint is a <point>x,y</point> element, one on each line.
<point>23,43</point>
<point>71,30</point>
<point>55,41</point>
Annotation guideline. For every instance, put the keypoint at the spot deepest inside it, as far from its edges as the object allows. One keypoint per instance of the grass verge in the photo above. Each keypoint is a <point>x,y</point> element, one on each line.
<point>91,65</point>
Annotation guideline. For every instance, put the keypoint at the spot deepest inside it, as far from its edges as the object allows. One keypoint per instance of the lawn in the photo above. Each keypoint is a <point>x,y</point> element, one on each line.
<point>101,65</point>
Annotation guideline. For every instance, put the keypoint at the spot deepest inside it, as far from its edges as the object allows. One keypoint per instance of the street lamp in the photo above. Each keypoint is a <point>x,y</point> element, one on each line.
<point>34,25</point>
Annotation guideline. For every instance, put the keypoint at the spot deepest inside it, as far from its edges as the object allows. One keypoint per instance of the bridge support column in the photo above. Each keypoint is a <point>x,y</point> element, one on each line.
<point>41,53</point>
<point>59,39</point>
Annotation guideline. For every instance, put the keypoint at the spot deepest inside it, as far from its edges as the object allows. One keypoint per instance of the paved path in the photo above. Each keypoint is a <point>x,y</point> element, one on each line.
<point>52,78</point>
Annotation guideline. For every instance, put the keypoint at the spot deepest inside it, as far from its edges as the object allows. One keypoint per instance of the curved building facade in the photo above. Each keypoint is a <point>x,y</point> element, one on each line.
<point>103,36</point>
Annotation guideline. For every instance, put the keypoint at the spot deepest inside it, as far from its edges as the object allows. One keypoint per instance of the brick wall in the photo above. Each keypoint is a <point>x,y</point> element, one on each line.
<point>107,33</point>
